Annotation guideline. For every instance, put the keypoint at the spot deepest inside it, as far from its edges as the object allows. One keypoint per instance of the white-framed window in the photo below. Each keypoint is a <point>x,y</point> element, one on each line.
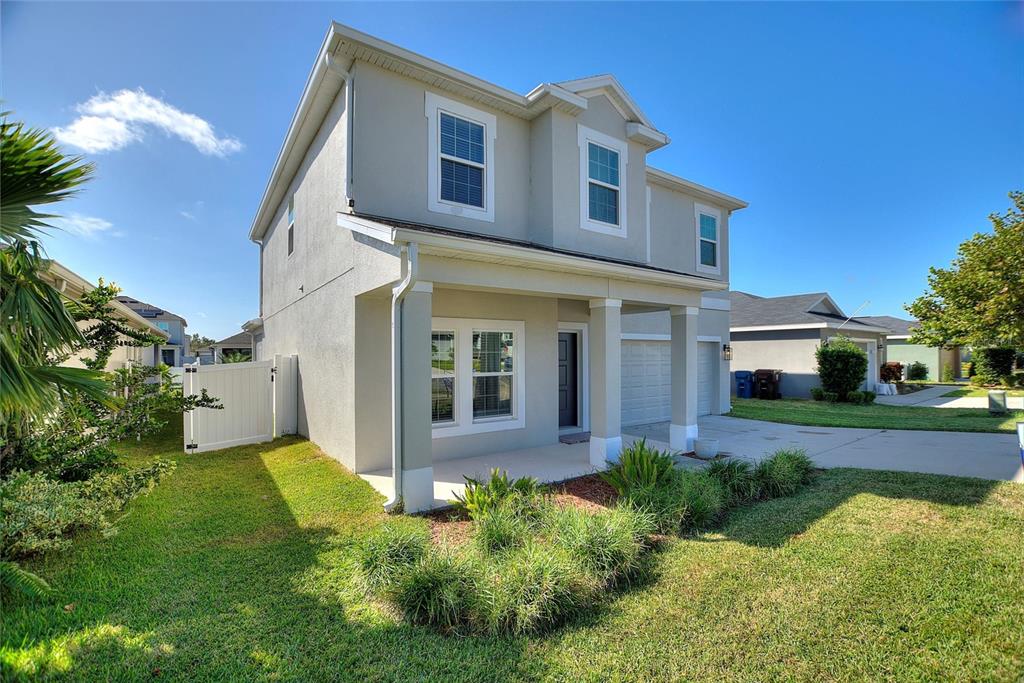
<point>460,159</point>
<point>603,165</point>
<point>708,223</point>
<point>291,224</point>
<point>477,382</point>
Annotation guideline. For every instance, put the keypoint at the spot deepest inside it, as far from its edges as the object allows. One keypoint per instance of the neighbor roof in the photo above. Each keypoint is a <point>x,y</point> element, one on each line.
<point>794,311</point>
<point>149,310</point>
<point>898,327</point>
<point>237,339</point>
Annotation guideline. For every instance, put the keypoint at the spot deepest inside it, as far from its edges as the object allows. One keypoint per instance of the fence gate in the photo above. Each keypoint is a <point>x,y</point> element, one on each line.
<point>258,397</point>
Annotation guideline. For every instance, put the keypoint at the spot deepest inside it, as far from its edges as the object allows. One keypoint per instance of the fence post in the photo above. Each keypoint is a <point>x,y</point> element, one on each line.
<point>186,390</point>
<point>275,388</point>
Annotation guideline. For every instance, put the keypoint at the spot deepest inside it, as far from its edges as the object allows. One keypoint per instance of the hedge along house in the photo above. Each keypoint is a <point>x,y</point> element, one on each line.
<point>453,264</point>
<point>900,350</point>
<point>783,333</point>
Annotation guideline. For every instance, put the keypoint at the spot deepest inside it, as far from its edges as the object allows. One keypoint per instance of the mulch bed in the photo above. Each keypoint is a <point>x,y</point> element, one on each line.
<point>588,492</point>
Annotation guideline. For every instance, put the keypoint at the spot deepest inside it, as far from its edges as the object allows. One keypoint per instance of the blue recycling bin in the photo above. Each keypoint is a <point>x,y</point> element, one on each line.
<point>744,384</point>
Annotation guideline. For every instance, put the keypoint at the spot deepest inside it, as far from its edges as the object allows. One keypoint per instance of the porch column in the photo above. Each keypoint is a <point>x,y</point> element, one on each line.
<point>417,441</point>
<point>683,429</point>
<point>605,381</point>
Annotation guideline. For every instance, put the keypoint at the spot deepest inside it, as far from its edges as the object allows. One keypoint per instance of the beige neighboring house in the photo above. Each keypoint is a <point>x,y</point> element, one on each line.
<point>174,352</point>
<point>239,343</point>
<point>464,271</point>
<point>783,333</point>
<point>74,286</point>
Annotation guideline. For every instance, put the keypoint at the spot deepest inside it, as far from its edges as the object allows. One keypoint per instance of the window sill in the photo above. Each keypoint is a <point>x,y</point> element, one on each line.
<point>604,228</point>
<point>708,270</point>
<point>480,427</point>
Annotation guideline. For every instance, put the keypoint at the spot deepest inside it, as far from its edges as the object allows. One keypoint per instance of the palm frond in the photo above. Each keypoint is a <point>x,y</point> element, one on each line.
<point>17,580</point>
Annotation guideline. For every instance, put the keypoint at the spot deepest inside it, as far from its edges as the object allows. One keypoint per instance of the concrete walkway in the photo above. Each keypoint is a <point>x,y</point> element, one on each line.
<point>987,456</point>
<point>932,397</point>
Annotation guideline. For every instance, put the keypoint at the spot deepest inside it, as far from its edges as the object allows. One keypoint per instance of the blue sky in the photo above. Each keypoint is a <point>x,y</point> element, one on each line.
<point>870,139</point>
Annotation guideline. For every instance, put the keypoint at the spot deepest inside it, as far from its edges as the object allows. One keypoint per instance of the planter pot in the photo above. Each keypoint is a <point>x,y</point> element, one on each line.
<point>706,449</point>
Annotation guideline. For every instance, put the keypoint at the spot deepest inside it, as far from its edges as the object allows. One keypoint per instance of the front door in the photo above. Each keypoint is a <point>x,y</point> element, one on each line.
<point>567,380</point>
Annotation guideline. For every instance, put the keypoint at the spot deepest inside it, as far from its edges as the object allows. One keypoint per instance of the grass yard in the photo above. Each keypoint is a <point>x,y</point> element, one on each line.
<point>980,392</point>
<point>876,416</point>
<point>239,567</point>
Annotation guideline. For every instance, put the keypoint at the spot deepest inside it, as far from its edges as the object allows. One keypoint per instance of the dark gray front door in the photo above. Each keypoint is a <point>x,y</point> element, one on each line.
<point>567,409</point>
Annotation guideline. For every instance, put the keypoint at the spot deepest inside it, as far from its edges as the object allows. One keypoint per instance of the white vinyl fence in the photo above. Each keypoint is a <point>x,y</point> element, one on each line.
<point>259,401</point>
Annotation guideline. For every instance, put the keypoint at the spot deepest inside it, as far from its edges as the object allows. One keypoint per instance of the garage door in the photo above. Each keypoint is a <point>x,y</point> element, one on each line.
<point>647,380</point>
<point>707,359</point>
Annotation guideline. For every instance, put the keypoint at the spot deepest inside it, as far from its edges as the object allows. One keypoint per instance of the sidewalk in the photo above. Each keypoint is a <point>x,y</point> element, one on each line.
<point>932,397</point>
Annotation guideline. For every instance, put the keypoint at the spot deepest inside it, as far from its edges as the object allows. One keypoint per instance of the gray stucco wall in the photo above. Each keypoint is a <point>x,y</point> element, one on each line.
<point>674,232</point>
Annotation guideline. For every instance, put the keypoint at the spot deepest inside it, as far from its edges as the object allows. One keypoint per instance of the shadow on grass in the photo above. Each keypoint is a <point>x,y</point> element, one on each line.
<point>237,567</point>
<point>772,523</point>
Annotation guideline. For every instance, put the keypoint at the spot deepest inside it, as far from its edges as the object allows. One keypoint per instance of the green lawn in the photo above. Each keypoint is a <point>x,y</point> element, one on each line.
<point>979,392</point>
<point>239,567</point>
<point>876,416</point>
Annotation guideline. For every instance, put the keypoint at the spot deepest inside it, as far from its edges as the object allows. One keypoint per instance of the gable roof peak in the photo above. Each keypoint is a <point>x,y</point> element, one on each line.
<point>610,86</point>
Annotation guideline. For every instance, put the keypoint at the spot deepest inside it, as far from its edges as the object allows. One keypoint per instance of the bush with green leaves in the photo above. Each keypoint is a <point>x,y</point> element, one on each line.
<point>481,495</point>
<point>502,527</point>
<point>992,364</point>
<point>40,513</point>
<point>390,551</point>
<point>917,371</point>
<point>535,589</point>
<point>705,498</point>
<point>855,397</point>
<point>609,544</point>
<point>817,393</point>
<point>841,366</point>
<point>868,397</point>
<point>737,477</point>
<point>439,590</point>
<point>639,466</point>
<point>784,472</point>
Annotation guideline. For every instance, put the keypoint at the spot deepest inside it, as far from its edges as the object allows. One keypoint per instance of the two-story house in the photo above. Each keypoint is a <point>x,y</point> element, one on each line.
<point>464,270</point>
<point>173,352</point>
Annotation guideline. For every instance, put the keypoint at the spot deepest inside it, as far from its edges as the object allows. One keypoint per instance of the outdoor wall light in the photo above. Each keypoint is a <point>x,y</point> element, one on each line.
<point>726,352</point>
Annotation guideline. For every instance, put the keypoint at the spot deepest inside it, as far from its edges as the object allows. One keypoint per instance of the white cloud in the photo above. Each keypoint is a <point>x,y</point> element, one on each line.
<point>112,121</point>
<point>187,215</point>
<point>88,227</point>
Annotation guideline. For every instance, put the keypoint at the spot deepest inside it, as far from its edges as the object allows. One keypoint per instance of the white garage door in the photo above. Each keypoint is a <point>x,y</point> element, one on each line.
<point>707,359</point>
<point>647,380</point>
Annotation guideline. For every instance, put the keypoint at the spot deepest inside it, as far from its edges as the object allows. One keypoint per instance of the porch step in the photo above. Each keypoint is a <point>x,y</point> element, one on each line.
<point>577,437</point>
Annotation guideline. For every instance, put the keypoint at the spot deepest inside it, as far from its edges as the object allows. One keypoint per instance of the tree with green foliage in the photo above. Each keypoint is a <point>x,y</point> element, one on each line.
<point>104,328</point>
<point>841,366</point>
<point>979,300</point>
<point>198,341</point>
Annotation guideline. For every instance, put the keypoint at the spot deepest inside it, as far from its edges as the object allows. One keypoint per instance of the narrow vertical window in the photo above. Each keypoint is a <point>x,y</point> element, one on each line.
<point>492,374</point>
<point>291,225</point>
<point>442,377</point>
<point>708,240</point>
<point>603,185</point>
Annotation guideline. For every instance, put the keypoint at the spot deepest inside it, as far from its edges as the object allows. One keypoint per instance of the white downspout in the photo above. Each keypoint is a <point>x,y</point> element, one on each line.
<point>410,265</point>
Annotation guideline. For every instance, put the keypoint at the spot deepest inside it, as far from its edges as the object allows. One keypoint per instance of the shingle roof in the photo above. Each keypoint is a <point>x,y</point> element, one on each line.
<point>896,326</point>
<point>750,310</point>
<point>237,339</point>
<point>148,310</point>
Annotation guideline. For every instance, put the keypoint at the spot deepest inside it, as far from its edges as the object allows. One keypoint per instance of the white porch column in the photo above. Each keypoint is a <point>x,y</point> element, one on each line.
<point>605,381</point>
<point>417,440</point>
<point>683,429</point>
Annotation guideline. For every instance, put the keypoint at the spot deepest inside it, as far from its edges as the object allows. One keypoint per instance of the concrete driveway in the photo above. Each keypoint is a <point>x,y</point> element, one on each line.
<point>987,456</point>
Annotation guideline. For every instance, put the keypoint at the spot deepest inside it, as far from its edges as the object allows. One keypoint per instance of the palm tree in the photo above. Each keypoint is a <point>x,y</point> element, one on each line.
<point>36,326</point>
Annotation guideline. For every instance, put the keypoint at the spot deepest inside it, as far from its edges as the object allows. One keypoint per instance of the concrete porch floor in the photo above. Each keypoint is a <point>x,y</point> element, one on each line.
<point>552,463</point>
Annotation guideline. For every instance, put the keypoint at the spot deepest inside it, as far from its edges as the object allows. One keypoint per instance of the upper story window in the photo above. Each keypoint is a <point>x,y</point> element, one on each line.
<point>708,221</point>
<point>460,159</point>
<point>603,162</point>
<point>291,225</point>
<point>165,326</point>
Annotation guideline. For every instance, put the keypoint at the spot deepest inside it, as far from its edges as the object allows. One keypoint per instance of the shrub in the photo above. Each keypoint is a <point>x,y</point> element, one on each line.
<point>1019,360</point>
<point>639,466</point>
<point>917,371</point>
<point>968,369</point>
<point>1007,381</point>
<point>891,372</point>
<point>438,590</point>
<point>663,503</point>
<point>391,550</point>
<point>868,397</point>
<point>480,496</point>
<point>39,514</point>
<point>830,396</point>
<point>704,496</point>
<point>782,473</point>
<point>993,363</point>
<point>947,372</point>
<point>737,476</point>
<point>608,544</point>
<point>817,393</point>
<point>841,366</point>
<point>500,527</point>
<point>855,397</point>
<point>536,588</point>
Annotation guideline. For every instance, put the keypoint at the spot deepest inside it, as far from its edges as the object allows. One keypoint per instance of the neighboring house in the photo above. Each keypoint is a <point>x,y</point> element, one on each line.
<point>240,343</point>
<point>899,349</point>
<point>175,350</point>
<point>460,268</point>
<point>783,332</point>
<point>74,286</point>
